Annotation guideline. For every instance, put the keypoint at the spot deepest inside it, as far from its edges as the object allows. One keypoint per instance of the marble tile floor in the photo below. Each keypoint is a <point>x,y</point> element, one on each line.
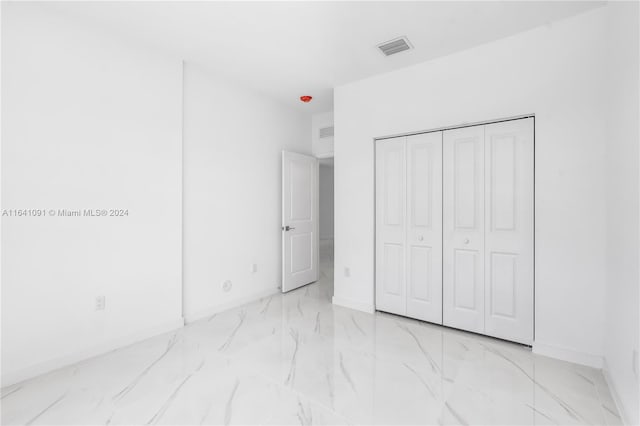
<point>297,359</point>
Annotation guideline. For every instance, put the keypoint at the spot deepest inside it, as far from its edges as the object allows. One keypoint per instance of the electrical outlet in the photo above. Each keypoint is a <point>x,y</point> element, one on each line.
<point>100,303</point>
<point>347,272</point>
<point>254,268</point>
<point>226,286</point>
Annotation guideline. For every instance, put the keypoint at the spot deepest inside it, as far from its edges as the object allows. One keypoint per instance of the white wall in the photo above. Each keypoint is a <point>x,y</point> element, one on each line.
<point>326,202</point>
<point>322,148</point>
<point>89,122</point>
<point>233,140</point>
<point>555,72</point>
<point>623,278</point>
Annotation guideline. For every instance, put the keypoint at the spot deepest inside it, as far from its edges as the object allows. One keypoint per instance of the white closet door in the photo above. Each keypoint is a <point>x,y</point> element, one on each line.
<point>424,227</point>
<point>390,225</point>
<point>509,230</point>
<point>463,228</point>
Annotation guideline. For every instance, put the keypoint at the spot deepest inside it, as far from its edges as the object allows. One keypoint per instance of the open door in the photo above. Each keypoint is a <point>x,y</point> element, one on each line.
<point>299,220</point>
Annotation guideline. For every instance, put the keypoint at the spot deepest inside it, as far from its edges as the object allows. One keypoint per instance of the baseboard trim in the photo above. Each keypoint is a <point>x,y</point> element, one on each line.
<point>353,304</point>
<point>38,369</point>
<point>615,395</point>
<point>567,354</point>
<point>205,313</point>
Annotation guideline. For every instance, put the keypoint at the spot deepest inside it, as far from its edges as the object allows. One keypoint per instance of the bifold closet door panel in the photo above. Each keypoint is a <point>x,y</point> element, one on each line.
<point>390,225</point>
<point>463,228</point>
<point>509,230</point>
<point>424,227</point>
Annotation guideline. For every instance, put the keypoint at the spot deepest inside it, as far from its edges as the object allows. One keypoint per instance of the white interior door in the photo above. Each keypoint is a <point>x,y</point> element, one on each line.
<point>390,225</point>
<point>299,220</point>
<point>509,230</point>
<point>463,228</point>
<point>424,227</point>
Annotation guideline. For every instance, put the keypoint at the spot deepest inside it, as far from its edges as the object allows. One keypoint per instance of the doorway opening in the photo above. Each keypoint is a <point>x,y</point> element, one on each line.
<point>325,207</point>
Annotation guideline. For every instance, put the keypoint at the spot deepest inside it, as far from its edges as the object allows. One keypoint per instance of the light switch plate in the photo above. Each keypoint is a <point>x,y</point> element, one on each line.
<point>100,303</point>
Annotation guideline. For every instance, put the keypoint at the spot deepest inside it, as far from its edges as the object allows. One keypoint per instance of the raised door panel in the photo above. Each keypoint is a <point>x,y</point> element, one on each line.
<point>393,269</point>
<point>390,225</point>
<point>301,190</point>
<point>466,285</point>
<point>463,228</point>
<point>424,227</point>
<point>509,230</point>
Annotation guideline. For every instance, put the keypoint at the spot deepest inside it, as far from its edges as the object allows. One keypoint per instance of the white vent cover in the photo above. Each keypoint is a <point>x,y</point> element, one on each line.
<point>394,46</point>
<point>326,132</point>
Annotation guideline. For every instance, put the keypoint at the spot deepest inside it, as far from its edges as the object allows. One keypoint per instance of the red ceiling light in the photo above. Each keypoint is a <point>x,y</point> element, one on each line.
<point>306,98</point>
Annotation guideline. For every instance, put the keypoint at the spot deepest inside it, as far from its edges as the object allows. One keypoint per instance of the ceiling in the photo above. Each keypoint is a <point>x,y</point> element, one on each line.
<point>289,49</point>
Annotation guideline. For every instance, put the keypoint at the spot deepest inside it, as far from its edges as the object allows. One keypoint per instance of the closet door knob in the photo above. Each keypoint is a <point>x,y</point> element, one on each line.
<point>466,241</point>
<point>420,238</point>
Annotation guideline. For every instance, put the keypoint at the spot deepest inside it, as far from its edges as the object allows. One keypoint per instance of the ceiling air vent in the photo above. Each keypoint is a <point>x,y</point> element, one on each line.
<point>326,132</point>
<point>394,46</point>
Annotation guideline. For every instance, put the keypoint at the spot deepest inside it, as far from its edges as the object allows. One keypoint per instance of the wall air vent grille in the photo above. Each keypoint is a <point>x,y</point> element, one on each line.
<point>326,132</point>
<point>394,46</point>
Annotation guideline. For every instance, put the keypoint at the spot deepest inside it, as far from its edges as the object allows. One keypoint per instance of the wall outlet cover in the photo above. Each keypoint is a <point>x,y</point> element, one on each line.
<point>100,303</point>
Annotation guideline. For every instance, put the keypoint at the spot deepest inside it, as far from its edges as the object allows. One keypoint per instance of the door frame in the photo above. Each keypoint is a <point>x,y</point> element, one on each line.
<point>459,126</point>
